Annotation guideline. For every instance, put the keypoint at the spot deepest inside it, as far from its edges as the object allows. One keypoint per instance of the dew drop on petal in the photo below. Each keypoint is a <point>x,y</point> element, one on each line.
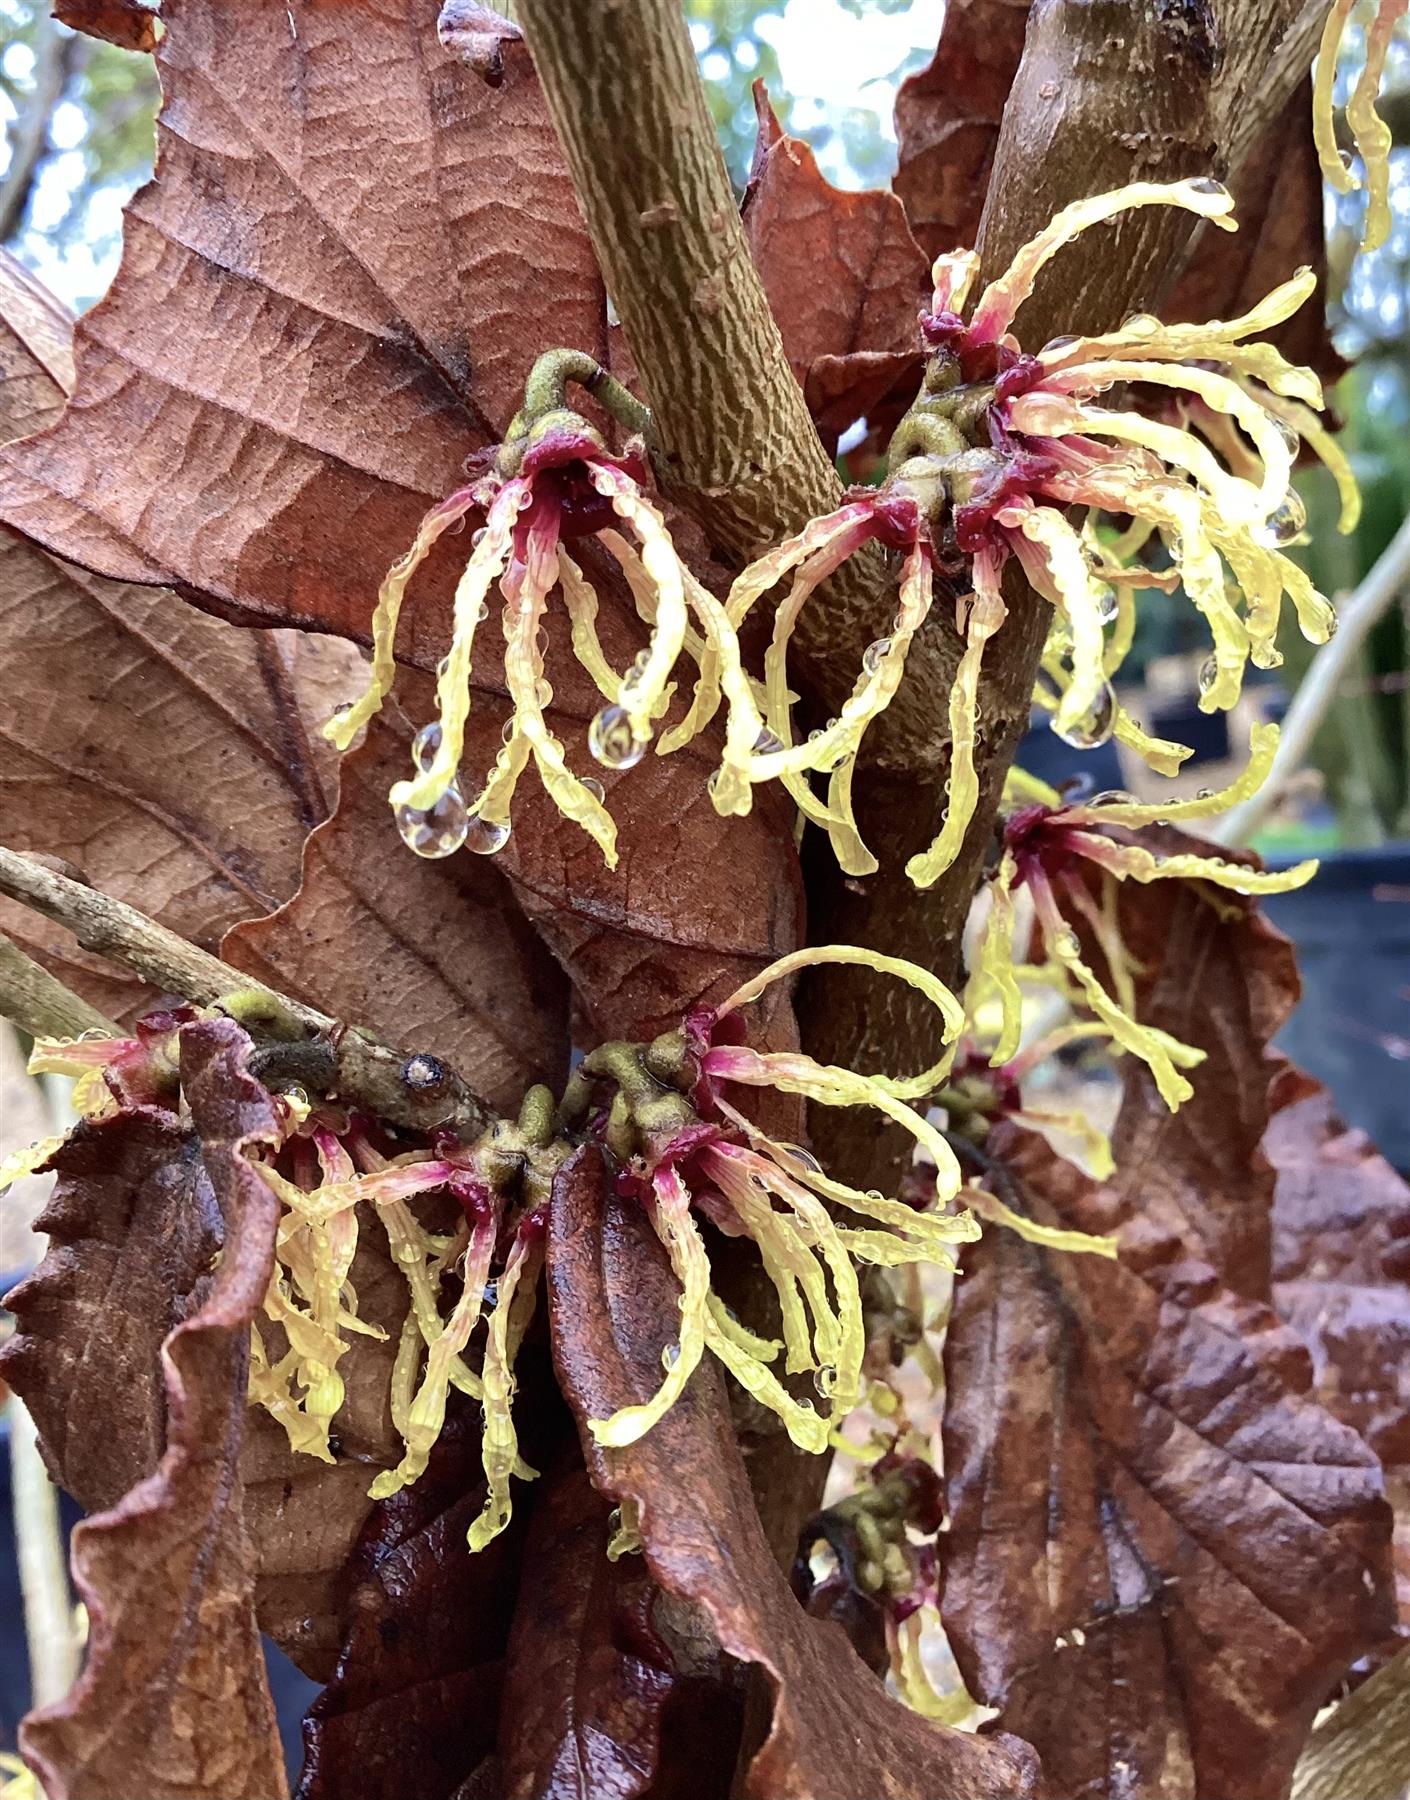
<point>507,731</point>
<point>876,654</point>
<point>1285,522</point>
<point>610,739</point>
<point>795,1153</point>
<point>1144,325</point>
<point>482,612</point>
<point>478,537</point>
<point>1112,797</point>
<point>670,1356</point>
<point>1204,793</point>
<point>766,743</point>
<point>486,836</point>
<point>1287,434</point>
<point>543,691</point>
<point>1058,343</point>
<point>1065,944</point>
<point>1107,607</point>
<point>595,788</point>
<point>491,1296</point>
<point>437,830</point>
<point>425,745</point>
<point>1096,724</point>
<point>825,1380</point>
<point>1206,184</point>
<point>1208,674</point>
<point>1332,623</point>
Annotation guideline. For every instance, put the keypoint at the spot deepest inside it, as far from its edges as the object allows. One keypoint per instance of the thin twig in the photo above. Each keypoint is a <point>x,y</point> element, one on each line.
<point>361,1069</point>
<point>1386,580</point>
<point>39,1003</point>
<point>48,1604</point>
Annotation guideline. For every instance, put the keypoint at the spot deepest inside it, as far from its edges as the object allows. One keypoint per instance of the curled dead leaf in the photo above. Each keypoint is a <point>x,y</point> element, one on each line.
<point>122,22</point>
<point>835,1732</point>
<point>173,1702</point>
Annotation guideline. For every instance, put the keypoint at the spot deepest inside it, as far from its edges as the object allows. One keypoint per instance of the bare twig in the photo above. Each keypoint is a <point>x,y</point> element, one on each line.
<point>1362,1751</point>
<point>362,1070</point>
<point>56,57</point>
<point>39,1003</point>
<point>48,1604</point>
<point>1387,579</point>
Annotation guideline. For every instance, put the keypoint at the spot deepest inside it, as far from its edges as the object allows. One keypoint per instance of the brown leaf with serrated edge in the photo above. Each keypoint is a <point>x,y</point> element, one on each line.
<point>613,1306</point>
<point>432,955</point>
<point>587,1677</point>
<point>412,1710</point>
<point>1278,203</point>
<point>122,22</point>
<point>173,1703</point>
<point>1162,1553</point>
<point>329,296</point>
<point>947,121</point>
<point>844,278</point>
<point>165,753</point>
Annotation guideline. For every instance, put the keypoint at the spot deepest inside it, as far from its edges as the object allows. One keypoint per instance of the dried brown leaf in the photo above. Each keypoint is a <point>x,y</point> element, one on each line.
<point>588,1677</point>
<point>279,486</point>
<point>430,955</point>
<point>36,352</point>
<point>164,753</point>
<point>843,275</point>
<point>173,1700</point>
<point>412,1711</point>
<point>947,121</point>
<point>1162,1554</point>
<point>835,1732</point>
<point>122,22</point>
<point>476,35</point>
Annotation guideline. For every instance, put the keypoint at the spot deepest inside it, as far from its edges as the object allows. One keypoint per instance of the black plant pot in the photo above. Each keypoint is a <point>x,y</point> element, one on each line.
<point>1351,925</point>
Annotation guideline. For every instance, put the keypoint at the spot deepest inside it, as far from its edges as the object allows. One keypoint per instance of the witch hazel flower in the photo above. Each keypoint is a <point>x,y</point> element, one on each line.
<point>1369,131</point>
<point>1050,852</point>
<point>686,1152</point>
<point>986,467</point>
<point>554,481</point>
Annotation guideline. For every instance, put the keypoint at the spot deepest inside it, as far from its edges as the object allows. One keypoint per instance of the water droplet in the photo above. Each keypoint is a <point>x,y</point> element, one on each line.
<point>482,612</point>
<point>1141,325</point>
<point>825,1380</point>
<point>437,830</point>
<point>766,743</point>
<point>1208,674</point>
<point>443,666</point>
<point>1287,434</point>
<point>491,1296</point>
<point>1164,823</point>
<point>1348,161</point>
<point>486,836</point>
<point>1204,793</point>
<point>1107,604</point>
<point>1285,522</point>
<point>425,745</point>
<point>670,1356</point>
<point>1096,724</point>
<point>876,654</point>
<point>343,707</point>
<point>1332,622</point>
<point>611,742</point>
<point>1058,343</point>
<point>1065,944</point>
<point>478,537</point>
<point>1112,797</point>
<point>543,691</point>
<point>507,731</point>
<point>1206,184</point>
<point>797,1154</point>
<point>595,788</point>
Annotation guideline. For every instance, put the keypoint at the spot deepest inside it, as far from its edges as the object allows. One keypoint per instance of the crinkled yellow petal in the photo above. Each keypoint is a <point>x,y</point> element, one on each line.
<point>28,1160</point>
<point>934,990</point>
<point>1140,864</point>
<point>343,727</point>
<point>643,686</point>
<point>453,680</point>
<point>995,309</point>
<point>807,1428</point>
<point>994,959</point>
<point>951,277</point>
<point>1374,138</point>
<point>1334,171</point>
<point>499,1450</point>
<point>580,602</point>
<point>986,614</point>
<point>762,1349</point>
<point>1327,451</point>
<point>1072,584</point>
<point>1052,1237</point>
<point>1263,746</point>
<point>676,1229</point>
<point>1073,1135</point>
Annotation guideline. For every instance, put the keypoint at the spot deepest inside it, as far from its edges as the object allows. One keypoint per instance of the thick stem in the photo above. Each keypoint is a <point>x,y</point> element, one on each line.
<point>364,1071</point>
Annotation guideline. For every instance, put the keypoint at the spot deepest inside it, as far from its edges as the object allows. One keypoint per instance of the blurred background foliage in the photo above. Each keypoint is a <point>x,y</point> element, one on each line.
<point>77,120</point>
